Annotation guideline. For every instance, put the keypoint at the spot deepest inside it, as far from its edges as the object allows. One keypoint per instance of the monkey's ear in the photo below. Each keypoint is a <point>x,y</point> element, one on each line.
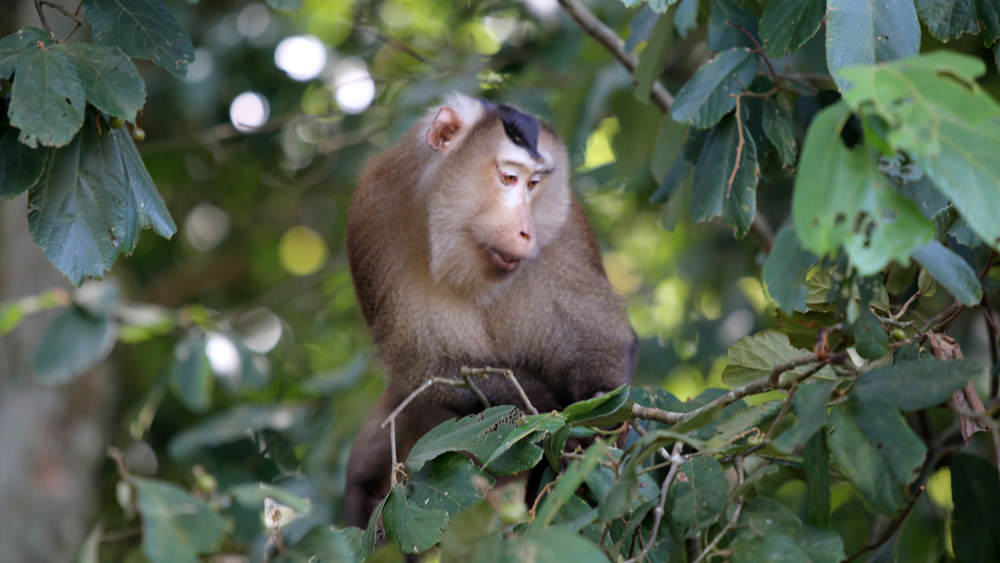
<point>444,128</point>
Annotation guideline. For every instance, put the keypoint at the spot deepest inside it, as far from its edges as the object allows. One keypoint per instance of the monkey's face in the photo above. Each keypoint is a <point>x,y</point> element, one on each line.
<point>496,206</point>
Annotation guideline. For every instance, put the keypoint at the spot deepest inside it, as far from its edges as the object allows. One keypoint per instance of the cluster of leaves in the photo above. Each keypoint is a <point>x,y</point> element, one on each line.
<point>89,192</point>
<point>892,161</point>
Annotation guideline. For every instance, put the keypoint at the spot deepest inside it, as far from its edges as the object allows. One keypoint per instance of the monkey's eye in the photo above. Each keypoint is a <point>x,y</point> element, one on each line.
<point>533,183</point>
<point>507,178</point>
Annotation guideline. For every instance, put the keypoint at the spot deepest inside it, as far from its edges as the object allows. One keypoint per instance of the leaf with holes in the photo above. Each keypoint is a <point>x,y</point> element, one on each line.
<point>110,80</point>
<point>945,122</point>
<point>47,98</point>
<point>842,199</point>
<point>479,434</point>
<point>94,198</point>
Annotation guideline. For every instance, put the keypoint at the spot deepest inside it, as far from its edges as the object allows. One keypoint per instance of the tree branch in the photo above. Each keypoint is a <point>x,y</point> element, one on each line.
<point>604,35</point>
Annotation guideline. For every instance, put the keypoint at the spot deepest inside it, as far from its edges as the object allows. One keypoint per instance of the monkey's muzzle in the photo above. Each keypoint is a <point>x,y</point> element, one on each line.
<point>501,260</point>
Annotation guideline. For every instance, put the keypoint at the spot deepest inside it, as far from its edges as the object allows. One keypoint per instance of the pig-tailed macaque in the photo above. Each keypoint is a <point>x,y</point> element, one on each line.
<point>467,248</point>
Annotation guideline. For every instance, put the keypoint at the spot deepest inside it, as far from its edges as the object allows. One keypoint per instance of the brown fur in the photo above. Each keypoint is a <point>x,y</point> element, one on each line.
<point>554,320</point>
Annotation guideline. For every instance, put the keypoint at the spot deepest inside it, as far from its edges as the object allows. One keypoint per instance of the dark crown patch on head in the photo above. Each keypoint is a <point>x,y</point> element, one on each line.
<point>522,129</point>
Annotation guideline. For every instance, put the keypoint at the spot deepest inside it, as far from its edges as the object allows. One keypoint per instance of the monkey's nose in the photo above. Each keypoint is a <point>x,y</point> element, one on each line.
<point>526,236</point>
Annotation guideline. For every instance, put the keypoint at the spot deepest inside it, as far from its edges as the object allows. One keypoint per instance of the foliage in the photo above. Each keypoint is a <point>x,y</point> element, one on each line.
<point>822,374</point>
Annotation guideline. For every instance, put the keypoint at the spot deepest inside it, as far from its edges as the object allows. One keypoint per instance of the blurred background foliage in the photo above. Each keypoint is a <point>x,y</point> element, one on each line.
<point>256,152</point>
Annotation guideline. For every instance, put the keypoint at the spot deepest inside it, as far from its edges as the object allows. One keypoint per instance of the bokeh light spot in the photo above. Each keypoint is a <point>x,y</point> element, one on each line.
<point>353,86</point>
<point>302,251</point>
<point>206,226</point>
<point>302,57</point>
<point>249,111</point>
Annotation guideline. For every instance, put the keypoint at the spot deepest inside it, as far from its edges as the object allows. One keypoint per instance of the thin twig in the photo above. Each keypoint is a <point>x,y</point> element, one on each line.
<point>475,391</point>
<point>604,35</point>
<point>759,50</point>
<point>906,305</point>
<point>739,148</point>
<point>896,525</point>
<point>771,382</point>
<point>729,526</point>
<point>510,377</point>
<point>60,9</point>
<point>659,510</point>
<point>120,463</point>
<point>41,17</point>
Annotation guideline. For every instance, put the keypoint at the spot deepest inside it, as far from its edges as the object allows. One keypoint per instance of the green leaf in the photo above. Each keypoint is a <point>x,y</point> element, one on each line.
<point>876,450</point>
<point>869,32</point>
<point>92,201</point>
<point>551,545</point>
<point>988,16</point>
<point>144,29</point>
<point>653,59</point>
<point>975,529</point>
<point>785,270</point>
<point>473,536</point>
<point>410,525</point>
<point>841,198</point>
<point>686,17</point>
<point>369,540</point>
<point>916,385</point>
<point>706,98</point>
<point>870,339</point>
<point>770,532</point>
<point>110,80</point>
<point>253,495</point>
<point>479,434</point>
<point>810,406</point>
<point>74,343</point>
<point>176,527</point>
<point>568,482</point>
<point>606,410</point>
<point>47,99</point>
<point>231,426</point>
<point>729,154</point>
<point>951,271</point>
<point>697,496</point>
<point>16,43</point>
<point>948,19</point>
<point>752,358</point>
<point>191,376</point>
<point>541,422</point>
<point>448,482</point>
<point>285,5</point>
<point>554,445</point>
<point>787,25</point>
<point>729,20</point>
<point>779,128</point>
<point>816,463</point>
<point>947,125</point>
<point>20,166</point>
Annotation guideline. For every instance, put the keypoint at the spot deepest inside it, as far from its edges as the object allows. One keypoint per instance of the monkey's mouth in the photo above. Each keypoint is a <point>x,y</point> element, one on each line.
<point>501,260</point>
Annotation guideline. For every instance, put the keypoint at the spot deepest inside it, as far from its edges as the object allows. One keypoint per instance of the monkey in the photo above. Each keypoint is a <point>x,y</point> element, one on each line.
<point>467,247</point>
